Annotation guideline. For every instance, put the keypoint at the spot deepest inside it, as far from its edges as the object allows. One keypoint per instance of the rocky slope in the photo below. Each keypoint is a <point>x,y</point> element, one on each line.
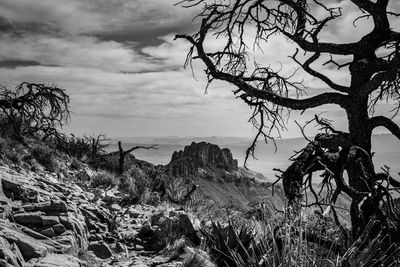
<point>57,219</point>
<point>222,187</point>
<point>54,219</point>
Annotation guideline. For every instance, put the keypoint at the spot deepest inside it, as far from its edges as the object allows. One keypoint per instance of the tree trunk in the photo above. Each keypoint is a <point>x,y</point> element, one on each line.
<point>121,159</point>
<point>359,164</point>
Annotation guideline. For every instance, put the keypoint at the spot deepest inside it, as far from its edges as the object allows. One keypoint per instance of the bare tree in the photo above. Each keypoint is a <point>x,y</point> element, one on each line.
<point>372,63</point>
<point>123,153</point>
<point>34,109</point>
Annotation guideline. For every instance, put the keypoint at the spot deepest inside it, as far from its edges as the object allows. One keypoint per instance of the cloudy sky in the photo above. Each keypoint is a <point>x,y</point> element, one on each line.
<point>118,62</point>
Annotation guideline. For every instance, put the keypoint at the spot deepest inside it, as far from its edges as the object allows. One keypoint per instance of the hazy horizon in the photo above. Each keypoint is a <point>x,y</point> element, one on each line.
<point>384,146</point>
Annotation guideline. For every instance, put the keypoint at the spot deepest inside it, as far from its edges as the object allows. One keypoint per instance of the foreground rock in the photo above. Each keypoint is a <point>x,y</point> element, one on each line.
<point>166,227</point>
<point>47,222</point>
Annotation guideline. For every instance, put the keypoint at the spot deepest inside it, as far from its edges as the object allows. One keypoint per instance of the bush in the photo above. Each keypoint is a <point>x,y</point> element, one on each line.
<point>7,148</point>
<point>75,164</point>
<point>134,183</point>
<point>104,179</point>
<point>46,157</point>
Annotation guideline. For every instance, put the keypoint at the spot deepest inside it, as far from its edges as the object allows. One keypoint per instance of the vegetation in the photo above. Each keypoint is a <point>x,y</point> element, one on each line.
<point>46,157</point>
<point>372,65</point>
<point>286,244</point>
<point>123,154</point>
<point>103,179</point>
<point>33,110</point>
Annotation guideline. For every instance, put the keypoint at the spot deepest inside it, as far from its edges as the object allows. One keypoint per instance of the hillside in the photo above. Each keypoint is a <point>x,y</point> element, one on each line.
<point>56,210</point>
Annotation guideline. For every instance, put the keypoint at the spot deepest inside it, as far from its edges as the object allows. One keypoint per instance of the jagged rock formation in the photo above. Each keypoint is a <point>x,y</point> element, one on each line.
<point>201,155</point>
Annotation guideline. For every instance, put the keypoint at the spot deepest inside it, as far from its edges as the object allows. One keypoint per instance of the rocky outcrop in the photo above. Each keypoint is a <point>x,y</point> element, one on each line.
<point>165,227</point>
<point>201,155</point>
<point>49,222</point>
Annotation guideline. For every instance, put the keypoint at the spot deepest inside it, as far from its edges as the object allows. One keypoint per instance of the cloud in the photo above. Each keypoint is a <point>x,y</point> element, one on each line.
<point>120,64</point>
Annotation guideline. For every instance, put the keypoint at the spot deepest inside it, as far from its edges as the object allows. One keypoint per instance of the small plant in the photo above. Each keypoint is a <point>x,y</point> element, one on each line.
<point>134,183</point>
<point>75,164</point>
<point>46,157</point>
<point>103,179</point>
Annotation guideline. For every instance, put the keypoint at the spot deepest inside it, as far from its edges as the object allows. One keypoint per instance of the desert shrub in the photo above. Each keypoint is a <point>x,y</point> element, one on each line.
<point>75,164</point>
<point>12,127</point>
<point>295,242</point>
<point>196,258</point>
<point>14,157</point>
<point>46,157</point>
<point>104,179</point>
<point>7,149</point>
<point>134,183</point>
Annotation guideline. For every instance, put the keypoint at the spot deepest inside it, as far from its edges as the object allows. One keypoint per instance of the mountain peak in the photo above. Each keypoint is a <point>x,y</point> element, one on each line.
<point>202,155</point>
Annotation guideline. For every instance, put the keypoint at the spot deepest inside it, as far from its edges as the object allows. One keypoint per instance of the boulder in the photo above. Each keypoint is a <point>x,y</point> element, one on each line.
<point>59,228</point>
<point>101,250</point>
<point>29,218</point>
<point>166,227</point>
<point>57,206</point>
<point>8,255</point>
<point>29,247</point>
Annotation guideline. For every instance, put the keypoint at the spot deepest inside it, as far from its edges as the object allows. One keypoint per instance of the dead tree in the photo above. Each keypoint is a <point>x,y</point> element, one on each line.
<point>122,154</point>
<point>35,110</point>
<point>372,64</point>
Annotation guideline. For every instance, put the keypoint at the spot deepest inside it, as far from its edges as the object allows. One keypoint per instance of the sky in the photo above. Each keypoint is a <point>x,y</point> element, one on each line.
<point>123,70</point>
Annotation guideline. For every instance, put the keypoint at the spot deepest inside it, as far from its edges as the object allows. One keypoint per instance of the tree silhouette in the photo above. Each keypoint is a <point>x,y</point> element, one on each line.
<point>123,153</point>
<point>372,64</point>
<point>35,110</point>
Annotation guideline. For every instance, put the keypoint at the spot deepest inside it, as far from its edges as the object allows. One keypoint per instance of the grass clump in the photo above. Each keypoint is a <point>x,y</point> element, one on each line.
<point>46,157</point>
<point>104,179</point>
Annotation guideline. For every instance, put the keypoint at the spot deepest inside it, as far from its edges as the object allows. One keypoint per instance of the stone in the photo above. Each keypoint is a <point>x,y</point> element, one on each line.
<point>48,206</point>
<point>50,220</point>
<point>29,218</point>
<point>59,260</point>
<point>59,228</point>
<point>18,254</point>
<point>29,247</point>
<point>49,232</point>
<point>95,237</point>
<point>115,207</point>
<point>101,250</point>
<point>7,254</point>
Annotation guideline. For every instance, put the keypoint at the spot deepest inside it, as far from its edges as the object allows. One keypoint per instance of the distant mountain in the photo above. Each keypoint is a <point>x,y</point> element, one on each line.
<point>386,147</point>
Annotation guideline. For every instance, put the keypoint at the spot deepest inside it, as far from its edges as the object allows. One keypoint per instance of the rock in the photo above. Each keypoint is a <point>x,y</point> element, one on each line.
<point>29,247</point>
<point>115,207</point>
<point>7,254</point>
<point>58,206</point>
<point>59,260</point>
<point>201,155</point>
<point>18,254</point>
<point>95,237</point>
<point>50,220</point>
<point>49,232</point>
<point>76,223</point>
<point>165,229</point>
<point>59,228</point>
<point>29,218</point>
<point>101,250</point>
